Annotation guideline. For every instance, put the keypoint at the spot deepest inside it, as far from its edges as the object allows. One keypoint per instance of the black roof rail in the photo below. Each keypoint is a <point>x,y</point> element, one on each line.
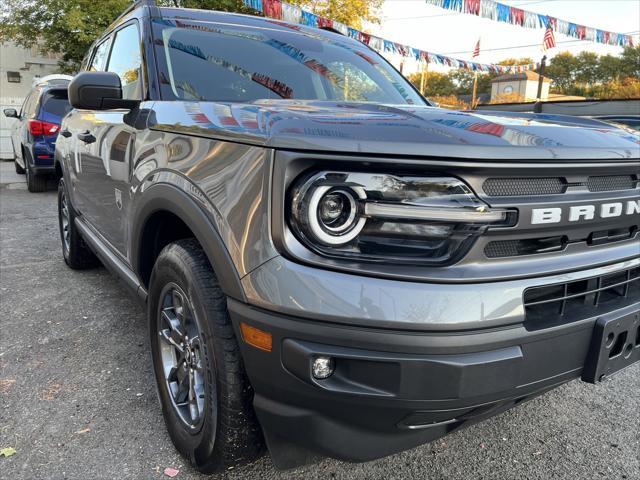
<point>135,4</point>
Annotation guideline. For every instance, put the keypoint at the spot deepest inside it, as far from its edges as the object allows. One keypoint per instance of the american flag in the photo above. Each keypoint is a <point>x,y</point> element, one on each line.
<point>549,40</point>
<point>476,51</point>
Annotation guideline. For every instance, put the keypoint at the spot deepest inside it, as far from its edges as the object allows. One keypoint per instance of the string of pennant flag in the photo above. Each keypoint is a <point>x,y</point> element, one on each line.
<point>292,13</point>
<point>524,18</point>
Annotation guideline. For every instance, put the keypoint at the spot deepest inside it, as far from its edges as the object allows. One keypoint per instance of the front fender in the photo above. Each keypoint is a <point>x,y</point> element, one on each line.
<point>173,199</point>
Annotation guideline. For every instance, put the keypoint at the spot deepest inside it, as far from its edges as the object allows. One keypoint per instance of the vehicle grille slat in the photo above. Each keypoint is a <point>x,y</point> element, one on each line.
<point>536,186</point>
<point>580,298</point>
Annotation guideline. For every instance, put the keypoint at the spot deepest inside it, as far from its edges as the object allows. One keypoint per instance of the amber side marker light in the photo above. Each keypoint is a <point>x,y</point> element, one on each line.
<point>256,337</point>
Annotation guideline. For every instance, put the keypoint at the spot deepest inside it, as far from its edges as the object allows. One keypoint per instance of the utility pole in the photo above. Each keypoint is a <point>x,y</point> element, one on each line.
<point>474,102</point>
<point>423,78</point>
<point>537,108</point>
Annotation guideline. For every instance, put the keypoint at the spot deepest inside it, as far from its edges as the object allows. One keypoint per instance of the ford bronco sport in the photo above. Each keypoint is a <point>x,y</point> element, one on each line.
<point>330,264</point>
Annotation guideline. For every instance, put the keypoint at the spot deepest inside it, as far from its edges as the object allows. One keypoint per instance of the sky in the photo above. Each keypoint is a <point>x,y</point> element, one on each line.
<point>414,23</point>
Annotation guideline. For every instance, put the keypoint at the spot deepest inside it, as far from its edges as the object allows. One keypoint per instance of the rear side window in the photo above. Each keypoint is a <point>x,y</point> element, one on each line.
<point>100,57</point>
<point>29,108</point>
<point>126,61</point>
<point>55,103</point>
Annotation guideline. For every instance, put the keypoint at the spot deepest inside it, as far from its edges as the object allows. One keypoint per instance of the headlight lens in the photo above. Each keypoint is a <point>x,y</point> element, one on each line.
<point>381,217</point>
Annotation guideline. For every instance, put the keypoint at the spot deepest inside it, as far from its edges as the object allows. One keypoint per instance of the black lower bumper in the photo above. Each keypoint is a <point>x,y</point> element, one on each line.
<point>43,169</point>
<point>393,390</point>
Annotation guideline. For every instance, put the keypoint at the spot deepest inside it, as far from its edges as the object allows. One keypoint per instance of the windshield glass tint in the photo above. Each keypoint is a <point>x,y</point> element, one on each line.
<point>56,104</point>
<point>230,63</point>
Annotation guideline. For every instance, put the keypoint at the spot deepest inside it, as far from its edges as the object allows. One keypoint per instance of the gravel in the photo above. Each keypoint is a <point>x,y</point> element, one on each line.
<point>78,401</point>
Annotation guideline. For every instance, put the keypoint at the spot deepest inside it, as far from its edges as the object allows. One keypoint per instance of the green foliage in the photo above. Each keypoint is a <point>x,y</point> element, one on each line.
<point>437,83</point>
<point>588,74</point>
<point>69,27</point>
<point>349,12</point>
<point>61,26</point>
<point>516,61</point>
<point>630,60</point>
<point>562,70</point>
<point>455,82</point>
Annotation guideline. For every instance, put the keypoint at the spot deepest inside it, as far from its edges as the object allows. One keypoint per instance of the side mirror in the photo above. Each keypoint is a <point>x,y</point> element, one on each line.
<point>98,91</point>
<point>11,113</point>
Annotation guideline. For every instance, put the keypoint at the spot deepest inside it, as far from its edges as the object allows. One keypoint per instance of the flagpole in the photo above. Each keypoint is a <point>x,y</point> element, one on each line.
<point>475,91</point>
<point>474,95</point>
<point>537,108</point>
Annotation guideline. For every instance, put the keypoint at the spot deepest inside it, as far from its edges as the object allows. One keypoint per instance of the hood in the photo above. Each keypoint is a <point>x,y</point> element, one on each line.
<point>347,127</point>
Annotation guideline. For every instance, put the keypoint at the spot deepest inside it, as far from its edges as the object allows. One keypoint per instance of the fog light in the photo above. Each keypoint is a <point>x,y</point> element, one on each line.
<point>322,367</point>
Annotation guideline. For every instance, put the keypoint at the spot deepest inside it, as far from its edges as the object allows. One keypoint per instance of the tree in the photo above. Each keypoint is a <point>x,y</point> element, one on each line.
<point>69,27</point>
<point>562,71</point>
<point>630,62</point>
<point>464,81</point>
<point>609,68</point>
<point>516,61</point>
<point>587,68</point>
<point>349,12</point>
<point>61,26</point>
<point>438,84</point>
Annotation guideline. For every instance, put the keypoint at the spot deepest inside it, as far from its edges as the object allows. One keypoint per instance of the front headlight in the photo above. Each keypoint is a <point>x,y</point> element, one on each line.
<point>380,217</point>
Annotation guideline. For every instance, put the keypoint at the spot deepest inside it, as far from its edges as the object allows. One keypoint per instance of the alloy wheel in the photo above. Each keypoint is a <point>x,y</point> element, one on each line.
<point>64,221</point>
<point>181,355</point>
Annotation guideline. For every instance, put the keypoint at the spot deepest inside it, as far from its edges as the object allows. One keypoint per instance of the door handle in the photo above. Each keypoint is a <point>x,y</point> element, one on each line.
<point>65,133</point>
<point>86,137</point>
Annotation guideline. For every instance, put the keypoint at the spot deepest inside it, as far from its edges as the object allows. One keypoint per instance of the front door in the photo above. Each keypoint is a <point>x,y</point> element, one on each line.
<point>105,143</point>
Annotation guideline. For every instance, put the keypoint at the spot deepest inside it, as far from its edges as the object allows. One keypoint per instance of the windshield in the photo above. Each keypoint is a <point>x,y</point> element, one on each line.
<point>231,63</point>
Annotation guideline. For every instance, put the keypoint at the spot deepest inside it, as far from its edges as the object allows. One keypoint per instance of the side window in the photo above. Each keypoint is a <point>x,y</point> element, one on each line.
<point>100,57</point>
<point>126,61</point>
<point>28,110</point>
<point>23,108</point>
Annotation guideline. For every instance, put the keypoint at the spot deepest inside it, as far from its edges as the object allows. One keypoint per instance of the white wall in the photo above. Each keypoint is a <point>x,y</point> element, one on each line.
<point>31,64</point>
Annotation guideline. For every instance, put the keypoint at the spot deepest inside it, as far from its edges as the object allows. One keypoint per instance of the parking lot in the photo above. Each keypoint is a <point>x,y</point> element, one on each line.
<point>78,400</point>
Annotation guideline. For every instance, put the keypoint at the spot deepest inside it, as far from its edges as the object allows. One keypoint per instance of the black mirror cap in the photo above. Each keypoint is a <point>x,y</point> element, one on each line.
<point>10,113</point>
<point>98,91</point>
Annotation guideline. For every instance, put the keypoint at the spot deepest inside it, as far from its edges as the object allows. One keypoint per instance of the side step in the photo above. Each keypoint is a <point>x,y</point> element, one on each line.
<point>110,259</point>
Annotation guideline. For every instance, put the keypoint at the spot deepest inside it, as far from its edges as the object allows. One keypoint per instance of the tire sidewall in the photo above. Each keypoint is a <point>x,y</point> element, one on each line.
<point>193,444</point>
<point>62,189</point>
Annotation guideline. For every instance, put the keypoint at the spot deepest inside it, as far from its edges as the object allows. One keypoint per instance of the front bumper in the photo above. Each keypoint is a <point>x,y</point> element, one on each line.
<point>396,387</point>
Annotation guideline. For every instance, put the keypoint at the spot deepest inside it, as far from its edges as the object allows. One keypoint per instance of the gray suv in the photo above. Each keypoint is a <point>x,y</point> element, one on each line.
<point>331,265</point>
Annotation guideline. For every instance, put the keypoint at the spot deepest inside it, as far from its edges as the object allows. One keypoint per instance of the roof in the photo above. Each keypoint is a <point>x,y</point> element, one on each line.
<point>528,75</point>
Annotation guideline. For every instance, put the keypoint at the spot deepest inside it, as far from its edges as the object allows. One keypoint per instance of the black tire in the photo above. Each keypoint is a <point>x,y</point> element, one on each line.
<point>225,433</point>
<point>19,169</point>
<point>35,183</point>
<point>75,251</point>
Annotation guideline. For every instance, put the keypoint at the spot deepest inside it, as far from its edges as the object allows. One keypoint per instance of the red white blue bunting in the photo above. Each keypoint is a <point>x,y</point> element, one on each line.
<point>294,14</point>
<point>524,18</point>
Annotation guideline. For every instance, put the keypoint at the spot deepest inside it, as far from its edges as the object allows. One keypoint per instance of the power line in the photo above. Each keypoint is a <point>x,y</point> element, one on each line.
<point>525,46</point>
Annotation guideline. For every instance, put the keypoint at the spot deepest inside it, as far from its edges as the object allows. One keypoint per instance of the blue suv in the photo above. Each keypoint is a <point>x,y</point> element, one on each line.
<point>34,136</point>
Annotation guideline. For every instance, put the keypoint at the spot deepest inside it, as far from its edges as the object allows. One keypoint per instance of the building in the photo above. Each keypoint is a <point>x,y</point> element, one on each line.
<point>19,68</point>
<point>518,87</point>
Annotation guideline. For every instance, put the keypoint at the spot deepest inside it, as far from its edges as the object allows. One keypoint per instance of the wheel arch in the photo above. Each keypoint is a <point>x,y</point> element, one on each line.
<point>164,213</point>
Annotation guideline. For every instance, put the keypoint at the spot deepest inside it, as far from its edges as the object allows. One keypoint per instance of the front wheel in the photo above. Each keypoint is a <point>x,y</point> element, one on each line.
<point>205,394</point>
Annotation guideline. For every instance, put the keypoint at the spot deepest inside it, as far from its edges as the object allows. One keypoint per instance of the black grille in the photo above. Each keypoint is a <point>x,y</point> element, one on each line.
<point>566,302</point>
<point>611,182</point>
<point>526,187</point>
<point>514,248</point>
<point>514,187</point>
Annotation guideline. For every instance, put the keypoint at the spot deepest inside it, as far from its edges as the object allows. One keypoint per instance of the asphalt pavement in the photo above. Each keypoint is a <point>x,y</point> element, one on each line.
<point>78,400</point>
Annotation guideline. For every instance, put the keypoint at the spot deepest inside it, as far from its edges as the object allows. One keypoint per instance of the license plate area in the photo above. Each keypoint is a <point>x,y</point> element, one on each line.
<point>615,345</point>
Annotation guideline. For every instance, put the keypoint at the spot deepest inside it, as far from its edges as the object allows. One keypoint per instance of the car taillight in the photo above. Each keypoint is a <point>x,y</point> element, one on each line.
<point>38,127</point>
